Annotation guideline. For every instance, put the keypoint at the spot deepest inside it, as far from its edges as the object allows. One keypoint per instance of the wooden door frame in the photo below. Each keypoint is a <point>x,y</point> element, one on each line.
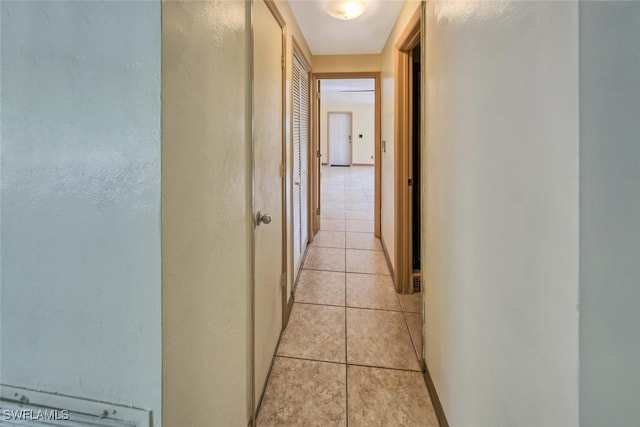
<point>409,39</point>
<point>350,113</point>
<point>271,5</point>
<point>377,152</point>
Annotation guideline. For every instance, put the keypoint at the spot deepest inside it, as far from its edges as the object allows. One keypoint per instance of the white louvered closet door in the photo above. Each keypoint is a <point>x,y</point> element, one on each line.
<point>300,124</point>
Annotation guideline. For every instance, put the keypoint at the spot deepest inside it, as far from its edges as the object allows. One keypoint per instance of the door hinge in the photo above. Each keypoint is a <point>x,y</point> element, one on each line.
<point>318,96</point>
<point>282,63</point>
<point>318,153</point>
<point>281,171</point>
<point>410,182</point>
<point>283,281</point>
<point>318,211</point>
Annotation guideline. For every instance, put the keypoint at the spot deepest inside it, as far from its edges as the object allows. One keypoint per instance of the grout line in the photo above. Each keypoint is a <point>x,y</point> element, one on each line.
<point>372,274</point>
<point>366,250</point>
<point>359,365</point>
<point>374,309</point>
<point>346,339</point>
<point>345,271</point>
<point>415,352</point>
<point>318,303</point>
<point>310,360</point>
<point>343,179</point>
<point>404,316</point>
<point>344,247</point>
<point>413,344</point>
<point>363,272</point>
<point>320,269</point>
<point>383,367</point>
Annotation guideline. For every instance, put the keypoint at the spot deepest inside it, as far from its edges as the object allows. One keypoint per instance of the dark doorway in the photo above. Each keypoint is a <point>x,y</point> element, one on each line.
<point>415,158</point>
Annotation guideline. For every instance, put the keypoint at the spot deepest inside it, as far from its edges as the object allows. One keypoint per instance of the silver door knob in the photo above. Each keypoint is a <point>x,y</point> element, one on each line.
<point>263,218</point>
<point>296,183</point>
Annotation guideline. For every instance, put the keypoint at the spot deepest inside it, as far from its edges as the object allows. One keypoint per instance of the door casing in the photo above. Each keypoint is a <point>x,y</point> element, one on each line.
<point>377,152</point>
<point>409,39</point>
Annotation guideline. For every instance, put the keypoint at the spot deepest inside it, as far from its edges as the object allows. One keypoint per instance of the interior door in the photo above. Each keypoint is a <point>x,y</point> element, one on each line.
<point>268,183</point>
<point>340,139</point>
<point>316,171</point>
<point>304,157</point>
<point>297,195</point>
<point>300,122</point>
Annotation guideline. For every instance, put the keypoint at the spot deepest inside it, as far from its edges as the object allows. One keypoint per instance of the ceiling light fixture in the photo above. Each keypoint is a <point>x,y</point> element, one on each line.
<point>345,9</point>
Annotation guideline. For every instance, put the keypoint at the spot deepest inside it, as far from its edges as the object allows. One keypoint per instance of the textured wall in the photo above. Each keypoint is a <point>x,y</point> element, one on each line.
<point>502,211</point>
<point>345,63</point>
<point>206,223</point>
<point>609,213</point>
<point>81,199</point>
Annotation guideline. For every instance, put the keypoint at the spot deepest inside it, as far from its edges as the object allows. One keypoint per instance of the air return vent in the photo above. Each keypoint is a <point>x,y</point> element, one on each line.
<point>25,407</point>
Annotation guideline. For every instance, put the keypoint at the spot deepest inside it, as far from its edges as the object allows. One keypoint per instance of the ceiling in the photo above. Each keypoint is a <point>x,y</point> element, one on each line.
<point>326,35</point>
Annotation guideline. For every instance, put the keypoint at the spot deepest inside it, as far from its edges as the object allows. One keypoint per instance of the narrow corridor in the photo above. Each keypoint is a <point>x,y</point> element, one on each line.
<point>349,355</point>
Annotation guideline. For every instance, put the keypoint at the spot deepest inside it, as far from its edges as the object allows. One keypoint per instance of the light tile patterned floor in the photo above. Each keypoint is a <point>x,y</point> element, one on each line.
<point>349,355</point>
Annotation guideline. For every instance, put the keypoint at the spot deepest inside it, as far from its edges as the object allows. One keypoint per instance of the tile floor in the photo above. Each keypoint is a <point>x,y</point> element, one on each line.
<point>349,355</point>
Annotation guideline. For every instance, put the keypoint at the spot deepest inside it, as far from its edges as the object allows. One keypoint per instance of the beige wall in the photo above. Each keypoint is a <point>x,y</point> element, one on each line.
<point>387,122</point>
<point>501,221</point>
<point>206,224</point>
<point>345,63</point>
<point>293,30</point>
<point>363,122</point>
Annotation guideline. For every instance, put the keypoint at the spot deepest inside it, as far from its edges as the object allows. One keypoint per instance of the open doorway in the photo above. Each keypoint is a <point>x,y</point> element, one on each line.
<point>346,131</point>
<point>408,166</point>
<point>414,165</point>
<point>408,135</point>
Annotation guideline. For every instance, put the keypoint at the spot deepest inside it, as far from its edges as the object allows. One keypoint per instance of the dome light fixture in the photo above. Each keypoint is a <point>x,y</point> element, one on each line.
<point>345,10</point>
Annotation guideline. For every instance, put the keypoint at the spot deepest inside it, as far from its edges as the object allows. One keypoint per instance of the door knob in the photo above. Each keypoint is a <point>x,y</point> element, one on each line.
<point>296,183</point>
<point>262,218</point>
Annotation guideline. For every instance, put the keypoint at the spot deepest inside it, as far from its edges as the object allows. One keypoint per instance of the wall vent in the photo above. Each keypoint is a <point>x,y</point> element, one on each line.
<point>25,407</point>
<point>417,281</point>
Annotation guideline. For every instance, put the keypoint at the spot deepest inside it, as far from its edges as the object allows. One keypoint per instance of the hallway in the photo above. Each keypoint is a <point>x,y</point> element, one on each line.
<point>349,355</point>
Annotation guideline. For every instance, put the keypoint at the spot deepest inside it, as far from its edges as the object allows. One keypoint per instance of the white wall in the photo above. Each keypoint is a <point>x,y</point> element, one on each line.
<point>387,123</point>
<point>363,123</point>
<point>609,213</point>
<point>80,200</point>
<point>206,222</point>
<point>502,211</point>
